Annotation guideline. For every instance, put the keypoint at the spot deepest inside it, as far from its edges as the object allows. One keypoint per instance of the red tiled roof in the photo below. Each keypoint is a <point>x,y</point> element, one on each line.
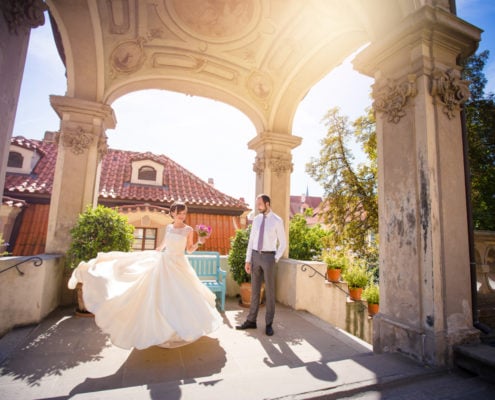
<point>115,182</point>
<point>40,181</point>
<point>302,202</point>
<point>28,144</point>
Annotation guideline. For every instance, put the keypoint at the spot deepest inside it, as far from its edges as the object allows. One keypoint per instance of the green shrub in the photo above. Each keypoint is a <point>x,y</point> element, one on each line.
<point>356,275</point>
<point>305,242</point>
<point>335,261</point>
<point>371,293</point>
<point>99,229</point>
<point>3,245</point>
<point>237,256</point>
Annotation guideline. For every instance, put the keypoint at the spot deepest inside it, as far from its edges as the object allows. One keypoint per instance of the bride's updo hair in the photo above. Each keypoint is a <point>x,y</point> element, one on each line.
<point>177,207</point>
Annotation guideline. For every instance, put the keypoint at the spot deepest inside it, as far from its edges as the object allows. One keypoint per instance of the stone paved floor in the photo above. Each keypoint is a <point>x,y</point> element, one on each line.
<point>69,357</point>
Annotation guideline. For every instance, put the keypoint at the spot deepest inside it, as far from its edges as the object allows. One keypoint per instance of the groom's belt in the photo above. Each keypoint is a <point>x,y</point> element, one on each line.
<point>264,252</point>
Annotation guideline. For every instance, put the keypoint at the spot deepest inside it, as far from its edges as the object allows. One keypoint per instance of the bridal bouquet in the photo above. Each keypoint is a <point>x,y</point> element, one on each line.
<point>204,231</point>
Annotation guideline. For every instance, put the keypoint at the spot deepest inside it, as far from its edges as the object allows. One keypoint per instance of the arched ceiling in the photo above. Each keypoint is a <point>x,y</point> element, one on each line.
<point>260,56</point>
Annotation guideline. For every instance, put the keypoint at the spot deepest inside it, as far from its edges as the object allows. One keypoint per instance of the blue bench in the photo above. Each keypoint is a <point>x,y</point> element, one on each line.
<point>207,267</point>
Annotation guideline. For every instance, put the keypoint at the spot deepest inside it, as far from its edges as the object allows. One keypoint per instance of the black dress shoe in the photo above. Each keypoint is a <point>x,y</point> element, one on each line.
<point>246,325</point>
<point>269,330</point>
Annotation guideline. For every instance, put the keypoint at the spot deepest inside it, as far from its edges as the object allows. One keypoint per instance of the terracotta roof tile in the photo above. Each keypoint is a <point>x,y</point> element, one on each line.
<point>115,181</point>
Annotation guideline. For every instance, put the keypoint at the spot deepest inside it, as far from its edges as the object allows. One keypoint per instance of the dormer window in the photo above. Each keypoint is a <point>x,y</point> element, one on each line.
<point>147,174</point>
<point>22,160</point>
<point>15,160</point>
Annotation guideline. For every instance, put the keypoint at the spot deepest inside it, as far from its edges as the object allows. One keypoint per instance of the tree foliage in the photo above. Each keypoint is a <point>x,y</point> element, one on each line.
<point>350,198</point>
<point>99,229</point>
<point>480,125</point>
<point>306,242</point>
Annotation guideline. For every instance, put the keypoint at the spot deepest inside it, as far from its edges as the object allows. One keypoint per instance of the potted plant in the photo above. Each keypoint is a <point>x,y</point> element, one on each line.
<point>335,265</point>
<point>99,229</point>
<point>371,294</point>
<point>3,247</point>
<point>237,262</point>
<point>357,277</point>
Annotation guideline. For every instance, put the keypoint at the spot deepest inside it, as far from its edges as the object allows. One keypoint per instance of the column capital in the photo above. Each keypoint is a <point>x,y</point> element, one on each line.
<point>72,108</point>
<point>281,140</point>
<point>22,15</point>
<point>425,40</point>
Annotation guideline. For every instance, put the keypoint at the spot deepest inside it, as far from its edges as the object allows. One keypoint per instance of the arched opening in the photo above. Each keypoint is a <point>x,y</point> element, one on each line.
<point>15,160</point>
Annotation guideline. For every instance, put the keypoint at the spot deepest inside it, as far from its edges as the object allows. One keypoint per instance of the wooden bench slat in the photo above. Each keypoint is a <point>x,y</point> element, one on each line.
<point>207,267</point>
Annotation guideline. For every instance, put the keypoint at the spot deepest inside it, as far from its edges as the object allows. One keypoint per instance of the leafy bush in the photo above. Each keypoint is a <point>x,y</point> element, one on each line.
<point>356,275</point>
<point>371,293</point>
<point>237,256</point>
<point>335,261</point>
<point>3,245</point>
<point>305,242</point>
<point>99,229</point>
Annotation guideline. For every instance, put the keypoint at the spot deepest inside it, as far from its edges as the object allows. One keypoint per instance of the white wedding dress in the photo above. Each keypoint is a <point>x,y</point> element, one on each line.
<point>149,297</point>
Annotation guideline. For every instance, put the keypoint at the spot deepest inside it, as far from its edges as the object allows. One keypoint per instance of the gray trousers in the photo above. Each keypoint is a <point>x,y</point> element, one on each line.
<point>262,268</point>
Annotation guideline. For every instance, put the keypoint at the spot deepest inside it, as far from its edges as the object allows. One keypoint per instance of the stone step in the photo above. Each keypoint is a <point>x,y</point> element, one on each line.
<point>478,359</point>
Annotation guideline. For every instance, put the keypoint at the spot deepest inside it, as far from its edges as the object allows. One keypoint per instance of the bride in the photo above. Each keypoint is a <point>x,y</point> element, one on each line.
<point>150,297</point>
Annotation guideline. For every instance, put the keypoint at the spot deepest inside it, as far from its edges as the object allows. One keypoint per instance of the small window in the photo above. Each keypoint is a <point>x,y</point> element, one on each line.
<point>15,160</point>
<point>144,239</point>
<point>147,174</point>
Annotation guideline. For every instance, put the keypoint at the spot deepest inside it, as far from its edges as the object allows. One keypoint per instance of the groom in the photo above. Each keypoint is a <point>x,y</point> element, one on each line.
<point>265,247</point>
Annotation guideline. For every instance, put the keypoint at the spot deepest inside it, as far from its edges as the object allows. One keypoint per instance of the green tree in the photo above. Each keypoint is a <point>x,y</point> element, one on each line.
<point>350,199</point>
<point>99,229</point>
<point>306,242</point>
<point>480,125</point>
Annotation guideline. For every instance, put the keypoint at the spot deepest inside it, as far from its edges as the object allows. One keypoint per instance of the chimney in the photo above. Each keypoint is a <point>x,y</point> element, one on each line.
<point>50,137</point>
<point>211,182</point>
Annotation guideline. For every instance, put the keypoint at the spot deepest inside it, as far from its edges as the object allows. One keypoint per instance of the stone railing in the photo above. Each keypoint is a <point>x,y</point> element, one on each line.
<point>302,289</point>
<point>485,275</point>
<point>28,298</point>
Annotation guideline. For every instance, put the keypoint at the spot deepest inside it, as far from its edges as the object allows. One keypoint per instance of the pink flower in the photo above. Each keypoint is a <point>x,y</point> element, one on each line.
<point>203,230</point>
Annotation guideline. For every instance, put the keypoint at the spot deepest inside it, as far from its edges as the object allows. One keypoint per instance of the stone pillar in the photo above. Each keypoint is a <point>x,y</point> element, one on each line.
<point>425,293</point>
<point>17,17</point>
<point>273,166</point>
<point>81,145</point>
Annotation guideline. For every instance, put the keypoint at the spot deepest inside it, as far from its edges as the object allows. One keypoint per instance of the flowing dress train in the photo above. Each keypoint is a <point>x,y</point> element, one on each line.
<point>149,297</point>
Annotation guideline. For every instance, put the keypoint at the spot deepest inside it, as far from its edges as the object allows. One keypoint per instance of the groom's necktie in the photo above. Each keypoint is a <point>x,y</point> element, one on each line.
<point>261,234</point>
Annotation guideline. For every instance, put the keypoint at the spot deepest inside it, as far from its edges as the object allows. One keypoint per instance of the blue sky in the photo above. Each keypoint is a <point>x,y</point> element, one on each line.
<point>207,137</point>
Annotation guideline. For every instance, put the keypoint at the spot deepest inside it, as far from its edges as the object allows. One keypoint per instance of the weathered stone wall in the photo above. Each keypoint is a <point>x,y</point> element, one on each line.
<point>27,299</point>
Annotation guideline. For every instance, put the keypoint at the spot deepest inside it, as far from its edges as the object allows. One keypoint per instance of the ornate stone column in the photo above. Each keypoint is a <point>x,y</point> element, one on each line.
<point>17,17</point>
<point>81,145</point>
<point>273,166</point>
<point>425,295</point>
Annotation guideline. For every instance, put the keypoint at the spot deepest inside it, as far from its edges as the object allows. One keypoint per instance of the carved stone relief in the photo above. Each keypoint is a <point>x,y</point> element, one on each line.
<point>449,90</point>
<point>79,140</point>
<point>259,165</point>
<point>22,15</point>
<point>216,20</point>
<point>260,87</point>
<point>119,16</point>
<point>392,99</point>
<point>278,164</point>
<point>128,56</point>
<point>193,63</point>
<point>102,146</point>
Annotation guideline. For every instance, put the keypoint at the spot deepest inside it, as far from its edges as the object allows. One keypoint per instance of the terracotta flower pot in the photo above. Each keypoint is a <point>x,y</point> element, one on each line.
<point>333,274</point>
<point>372,309</point>
<point>81,310</point>
<point>355,293</point>
<point>246,294</point>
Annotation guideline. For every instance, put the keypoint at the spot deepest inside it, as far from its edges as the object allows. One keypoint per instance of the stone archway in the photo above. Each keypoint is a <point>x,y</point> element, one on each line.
<point>262,56</point>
